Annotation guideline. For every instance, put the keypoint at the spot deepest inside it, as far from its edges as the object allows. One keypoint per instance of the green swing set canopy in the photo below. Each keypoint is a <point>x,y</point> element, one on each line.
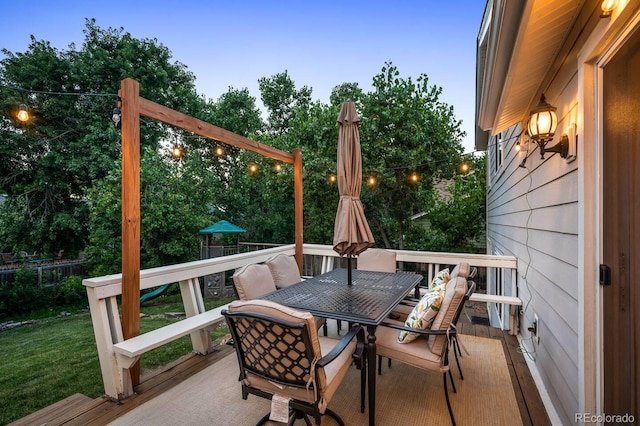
<point>222,227</point>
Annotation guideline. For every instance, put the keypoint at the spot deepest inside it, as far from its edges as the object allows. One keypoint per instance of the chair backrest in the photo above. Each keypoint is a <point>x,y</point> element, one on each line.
<point>275,343</point>
<point>454,298</point>
<point>253,281</point>
<point>284,270</point>
<point>378,260</point>
<point>462,269</point>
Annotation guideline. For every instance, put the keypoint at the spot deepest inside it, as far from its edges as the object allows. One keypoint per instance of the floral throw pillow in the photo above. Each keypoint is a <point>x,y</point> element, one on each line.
<point>423,314</point>
<point>441,278</point>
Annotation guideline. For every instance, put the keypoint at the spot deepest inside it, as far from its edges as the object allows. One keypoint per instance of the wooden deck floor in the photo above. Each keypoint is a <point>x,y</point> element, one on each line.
<point>82,410</point>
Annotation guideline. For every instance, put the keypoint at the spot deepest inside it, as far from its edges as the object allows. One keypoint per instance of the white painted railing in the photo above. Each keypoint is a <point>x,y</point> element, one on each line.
<point>116,356</point>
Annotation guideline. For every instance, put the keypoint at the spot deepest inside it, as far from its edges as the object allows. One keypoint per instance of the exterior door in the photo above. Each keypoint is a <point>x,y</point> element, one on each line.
<point>621,228</point>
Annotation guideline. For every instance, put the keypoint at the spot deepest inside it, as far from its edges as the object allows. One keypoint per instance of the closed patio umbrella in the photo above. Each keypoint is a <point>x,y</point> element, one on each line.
<point>351,234</point>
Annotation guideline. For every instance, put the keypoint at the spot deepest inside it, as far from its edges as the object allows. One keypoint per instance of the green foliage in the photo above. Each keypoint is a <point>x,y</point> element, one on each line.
<point>72,292</point>
<point>405,129</point>
<point>23,295</point>
<point>281,98</point>
<point>457,224</point>
<point>71,144</point>
<point>63,168</point>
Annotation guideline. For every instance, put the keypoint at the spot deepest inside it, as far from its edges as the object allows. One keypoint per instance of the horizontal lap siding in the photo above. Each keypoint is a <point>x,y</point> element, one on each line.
<point>532,214</point>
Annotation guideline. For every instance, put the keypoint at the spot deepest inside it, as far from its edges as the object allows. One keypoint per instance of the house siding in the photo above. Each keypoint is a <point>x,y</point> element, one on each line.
<point>532,213</point>
<point>550,214</point>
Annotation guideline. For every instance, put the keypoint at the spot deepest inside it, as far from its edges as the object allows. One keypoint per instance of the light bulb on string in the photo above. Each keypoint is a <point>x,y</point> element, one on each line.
<point>177,152</point>
<point>23,113</point>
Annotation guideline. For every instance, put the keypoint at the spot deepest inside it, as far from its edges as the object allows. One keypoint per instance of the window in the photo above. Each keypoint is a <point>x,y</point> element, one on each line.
<point>498,143</point>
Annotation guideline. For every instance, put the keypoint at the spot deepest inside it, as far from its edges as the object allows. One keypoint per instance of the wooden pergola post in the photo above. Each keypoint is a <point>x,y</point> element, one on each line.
<point>130,100</point>
<point>297,191</point>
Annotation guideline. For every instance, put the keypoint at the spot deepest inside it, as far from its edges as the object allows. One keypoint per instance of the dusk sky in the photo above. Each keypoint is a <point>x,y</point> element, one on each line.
<point>321,44</point>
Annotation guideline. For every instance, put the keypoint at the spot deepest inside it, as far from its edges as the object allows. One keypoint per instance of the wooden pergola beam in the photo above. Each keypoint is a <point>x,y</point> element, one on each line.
<point>159,112</point>
<point>132,107</point>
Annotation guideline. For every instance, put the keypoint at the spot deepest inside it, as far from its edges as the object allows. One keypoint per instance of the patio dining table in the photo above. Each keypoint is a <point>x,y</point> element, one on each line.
<point>367,301</point>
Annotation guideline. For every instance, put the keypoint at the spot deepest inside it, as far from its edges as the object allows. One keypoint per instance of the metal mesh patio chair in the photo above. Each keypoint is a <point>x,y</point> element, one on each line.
<point>281,356</point>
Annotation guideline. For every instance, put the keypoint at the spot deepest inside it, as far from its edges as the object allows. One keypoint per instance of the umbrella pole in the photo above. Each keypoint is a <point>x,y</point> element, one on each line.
<point>349,282</point>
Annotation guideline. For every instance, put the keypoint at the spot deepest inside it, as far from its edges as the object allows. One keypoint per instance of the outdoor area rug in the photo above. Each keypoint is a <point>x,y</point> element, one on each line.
<point>405,395</point>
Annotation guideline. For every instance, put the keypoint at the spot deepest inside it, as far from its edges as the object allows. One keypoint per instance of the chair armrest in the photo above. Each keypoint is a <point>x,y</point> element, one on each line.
<point>451,331</point>
<point>337,349</point>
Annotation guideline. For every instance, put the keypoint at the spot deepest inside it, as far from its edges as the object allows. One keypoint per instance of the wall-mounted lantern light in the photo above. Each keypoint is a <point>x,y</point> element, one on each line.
<point>543,122</point>
<point>607,7</point>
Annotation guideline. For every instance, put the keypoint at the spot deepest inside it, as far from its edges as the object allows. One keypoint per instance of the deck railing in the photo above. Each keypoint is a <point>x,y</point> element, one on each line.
<point>104,291</point>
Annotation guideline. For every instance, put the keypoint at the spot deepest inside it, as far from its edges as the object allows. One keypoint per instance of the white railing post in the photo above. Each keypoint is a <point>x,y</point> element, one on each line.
<point>193,305</point>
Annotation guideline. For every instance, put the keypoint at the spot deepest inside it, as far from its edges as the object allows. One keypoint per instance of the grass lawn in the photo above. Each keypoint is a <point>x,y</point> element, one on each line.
<point>44,362</point>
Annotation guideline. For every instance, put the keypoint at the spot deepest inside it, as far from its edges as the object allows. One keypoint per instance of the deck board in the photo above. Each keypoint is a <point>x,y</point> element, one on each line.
<point>59,410</point>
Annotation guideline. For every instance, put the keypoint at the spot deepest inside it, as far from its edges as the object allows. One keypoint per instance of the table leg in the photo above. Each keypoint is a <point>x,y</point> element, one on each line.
<point>371,370</point>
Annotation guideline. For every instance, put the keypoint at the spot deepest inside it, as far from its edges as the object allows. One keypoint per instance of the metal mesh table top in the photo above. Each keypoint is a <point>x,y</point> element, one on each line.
<point>367,301</point>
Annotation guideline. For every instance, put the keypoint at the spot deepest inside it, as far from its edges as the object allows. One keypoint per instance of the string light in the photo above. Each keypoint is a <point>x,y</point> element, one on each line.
<point>23,113</point>
<point>116,116</point>
<point>218,151</point>
<point>277,168</point>
<point>23,110</point>
<point>253,168</point>
<point>177,152</point>
<point>414,177</point>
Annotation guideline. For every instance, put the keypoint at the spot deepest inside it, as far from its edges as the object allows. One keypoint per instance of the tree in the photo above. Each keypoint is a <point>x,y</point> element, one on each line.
<point>71,145</point>
<point>455,224</point>
<point>175,202</point>
<point>409,137</point>
<point>280,97</point>
<point>61,172</point>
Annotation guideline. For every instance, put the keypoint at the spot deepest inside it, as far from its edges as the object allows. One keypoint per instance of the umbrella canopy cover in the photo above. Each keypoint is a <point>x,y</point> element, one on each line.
<point>351,234</point>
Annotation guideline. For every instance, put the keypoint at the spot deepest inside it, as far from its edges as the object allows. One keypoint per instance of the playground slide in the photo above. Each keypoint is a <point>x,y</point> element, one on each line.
<point>155,293</point>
